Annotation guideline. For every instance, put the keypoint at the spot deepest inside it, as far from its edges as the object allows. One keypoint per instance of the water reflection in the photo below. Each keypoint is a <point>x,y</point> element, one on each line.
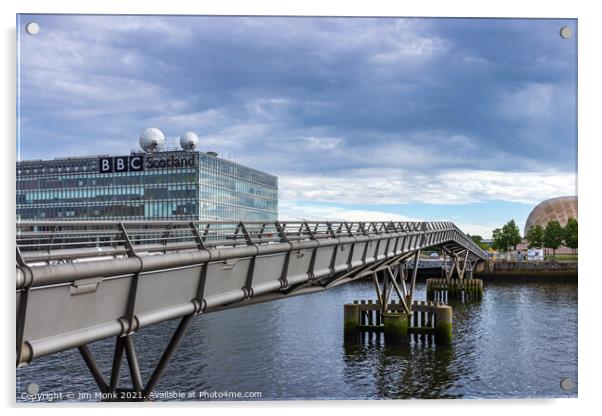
<point>404,371</point>
<point>518,342</point>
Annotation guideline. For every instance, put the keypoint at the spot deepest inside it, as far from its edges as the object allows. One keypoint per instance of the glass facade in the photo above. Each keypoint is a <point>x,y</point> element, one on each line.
<point>170,185</point>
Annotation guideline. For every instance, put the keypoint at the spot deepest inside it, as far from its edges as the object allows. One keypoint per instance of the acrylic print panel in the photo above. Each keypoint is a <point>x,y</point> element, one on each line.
<point>409,184</point>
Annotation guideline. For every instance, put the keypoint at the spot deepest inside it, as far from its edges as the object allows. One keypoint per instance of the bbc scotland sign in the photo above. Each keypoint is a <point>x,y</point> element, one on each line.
<point>120,164</point>
<point>139,163</point>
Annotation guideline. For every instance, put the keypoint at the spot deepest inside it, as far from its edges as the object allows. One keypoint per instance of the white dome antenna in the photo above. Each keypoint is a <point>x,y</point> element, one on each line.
<point>189,141</point>
<point>152,140</point>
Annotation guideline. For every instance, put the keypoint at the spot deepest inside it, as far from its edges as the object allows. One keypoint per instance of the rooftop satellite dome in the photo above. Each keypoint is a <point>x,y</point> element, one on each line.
<point>152,140</point>
<point>189,141</point>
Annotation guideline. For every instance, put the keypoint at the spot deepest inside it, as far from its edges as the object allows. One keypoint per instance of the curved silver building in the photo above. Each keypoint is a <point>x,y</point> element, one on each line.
<point>559,209</point>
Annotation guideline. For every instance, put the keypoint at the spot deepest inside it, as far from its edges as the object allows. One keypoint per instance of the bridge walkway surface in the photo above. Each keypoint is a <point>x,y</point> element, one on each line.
<point>78,282</point>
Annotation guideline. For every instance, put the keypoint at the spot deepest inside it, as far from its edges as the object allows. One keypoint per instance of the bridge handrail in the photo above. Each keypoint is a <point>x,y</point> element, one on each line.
<point>79,282</point>
<point>56,240</point>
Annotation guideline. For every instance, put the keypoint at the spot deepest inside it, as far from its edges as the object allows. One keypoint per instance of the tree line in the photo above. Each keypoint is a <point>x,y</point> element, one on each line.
<point>552,236</point>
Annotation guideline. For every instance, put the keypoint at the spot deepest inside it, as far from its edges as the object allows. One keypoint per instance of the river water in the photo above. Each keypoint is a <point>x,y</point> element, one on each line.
<point>518,342</point>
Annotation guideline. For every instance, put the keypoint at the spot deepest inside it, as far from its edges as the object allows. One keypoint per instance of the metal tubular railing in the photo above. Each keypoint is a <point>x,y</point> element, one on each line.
<point>60,239</point>
<point>141,273</point>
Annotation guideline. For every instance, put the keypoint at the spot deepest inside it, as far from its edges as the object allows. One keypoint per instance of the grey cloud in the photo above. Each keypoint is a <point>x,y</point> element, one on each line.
<point>432,95</point>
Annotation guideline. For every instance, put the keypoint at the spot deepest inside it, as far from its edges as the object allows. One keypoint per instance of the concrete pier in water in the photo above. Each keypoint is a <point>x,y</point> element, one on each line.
<point>445,290</point>
<point>427,320</point>
<point>396,327</point>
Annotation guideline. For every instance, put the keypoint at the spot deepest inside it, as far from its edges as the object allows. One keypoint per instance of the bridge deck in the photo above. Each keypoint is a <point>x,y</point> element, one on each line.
<point>78,282</point>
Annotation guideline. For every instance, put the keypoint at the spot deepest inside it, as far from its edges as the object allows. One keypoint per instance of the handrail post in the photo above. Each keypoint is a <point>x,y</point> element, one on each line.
<point>414,274</point>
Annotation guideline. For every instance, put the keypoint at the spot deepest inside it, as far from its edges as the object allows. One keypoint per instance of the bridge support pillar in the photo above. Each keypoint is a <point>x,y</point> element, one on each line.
<point>351,318</point>
<point>426,321</point>
<point>138,392</point>
<point>447,290</point>
<point>396,327</point>
<point>443,325</point>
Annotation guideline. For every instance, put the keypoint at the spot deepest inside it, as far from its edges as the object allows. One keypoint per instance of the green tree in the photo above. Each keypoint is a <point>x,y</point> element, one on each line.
<point>499,242</point>
<point>479,241</point>
<point>535,236</point>
<point>553,236</point>
<point>506,237</point>
<point>570,234</point>
<point>511,234</point>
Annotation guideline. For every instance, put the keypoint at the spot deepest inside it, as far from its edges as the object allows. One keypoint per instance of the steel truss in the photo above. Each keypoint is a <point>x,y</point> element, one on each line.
<point>461,265</point>
<point>142,273</point>
<point>139,391</point>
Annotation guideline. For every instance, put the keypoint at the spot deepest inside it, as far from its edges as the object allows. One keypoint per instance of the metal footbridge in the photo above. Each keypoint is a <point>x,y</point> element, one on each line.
<point>78,282</point>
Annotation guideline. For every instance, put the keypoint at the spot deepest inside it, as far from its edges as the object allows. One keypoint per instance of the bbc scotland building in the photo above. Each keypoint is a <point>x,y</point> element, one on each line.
<point>150,184</point>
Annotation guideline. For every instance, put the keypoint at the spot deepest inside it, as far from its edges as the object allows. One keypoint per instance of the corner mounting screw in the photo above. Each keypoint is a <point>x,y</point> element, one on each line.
<point>566,384</point>
<point>32,28</point>
<point>566,32</point>
<point>33,388</point>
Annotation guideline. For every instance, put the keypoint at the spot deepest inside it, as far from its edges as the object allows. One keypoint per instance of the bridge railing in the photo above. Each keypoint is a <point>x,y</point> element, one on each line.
<point>78,282</point>
<point>58,240</point>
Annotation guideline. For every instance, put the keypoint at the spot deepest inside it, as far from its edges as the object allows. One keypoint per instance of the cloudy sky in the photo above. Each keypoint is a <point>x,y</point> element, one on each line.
<point>469,120</point>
